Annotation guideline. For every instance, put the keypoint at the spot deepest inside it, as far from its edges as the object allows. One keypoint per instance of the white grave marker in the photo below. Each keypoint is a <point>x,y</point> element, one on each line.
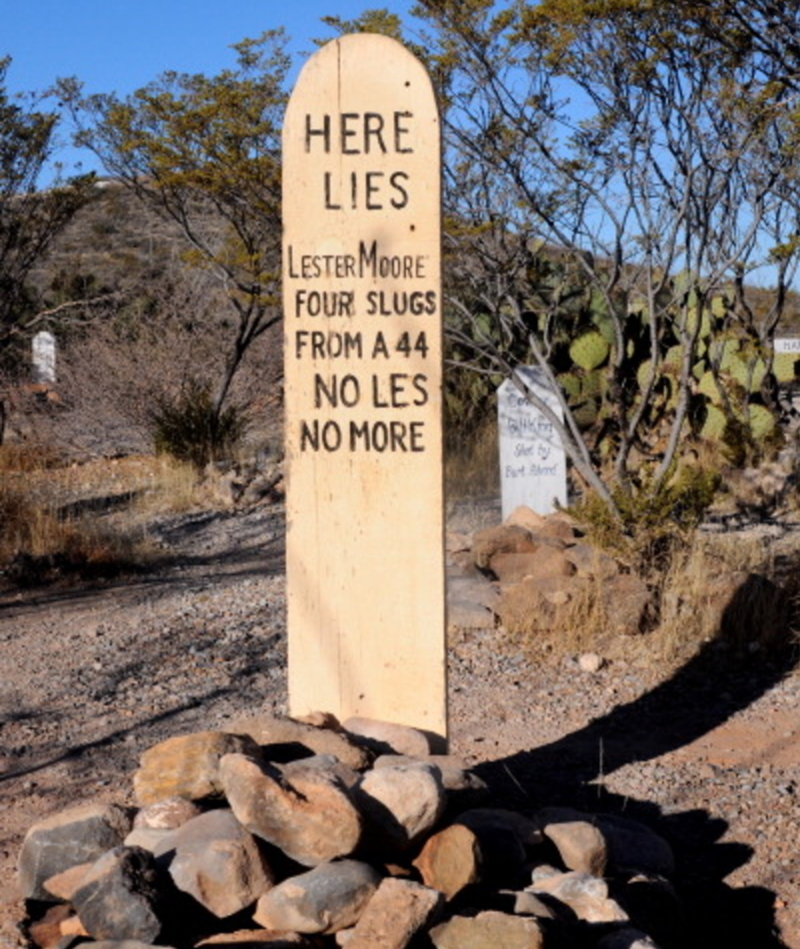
<point>787,344</point>
<point>533,465</point>
<point>362,321</point>
<point>44,357</point>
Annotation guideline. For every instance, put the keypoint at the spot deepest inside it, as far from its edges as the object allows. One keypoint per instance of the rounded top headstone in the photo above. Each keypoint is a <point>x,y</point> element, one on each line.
<point>362,329</point>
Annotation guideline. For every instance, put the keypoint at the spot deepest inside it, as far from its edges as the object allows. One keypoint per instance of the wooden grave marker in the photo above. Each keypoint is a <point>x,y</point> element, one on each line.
<point>362,316</point>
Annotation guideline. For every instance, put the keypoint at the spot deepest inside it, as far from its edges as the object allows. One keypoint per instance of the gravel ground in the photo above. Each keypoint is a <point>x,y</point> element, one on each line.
<point>708,755</point>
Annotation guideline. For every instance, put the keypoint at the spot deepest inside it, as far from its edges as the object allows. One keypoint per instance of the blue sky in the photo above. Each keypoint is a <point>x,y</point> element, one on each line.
<point>113,46</point>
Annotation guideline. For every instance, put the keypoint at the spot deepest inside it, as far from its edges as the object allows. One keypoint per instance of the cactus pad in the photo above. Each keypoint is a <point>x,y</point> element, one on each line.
<point>589,351</point>
<point>714,425</point>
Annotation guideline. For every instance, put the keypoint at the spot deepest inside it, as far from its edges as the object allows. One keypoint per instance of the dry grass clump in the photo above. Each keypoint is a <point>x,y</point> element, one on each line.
<point>28,521</point>
<point>579,625</point>
<point>58,521</point>
<point>471,468</point>
<point>721,588</point>
<point>26,457</point>
<point>551,632</point>
<point>89,520</point>
<point>171,487</point>
<point>712,588</point>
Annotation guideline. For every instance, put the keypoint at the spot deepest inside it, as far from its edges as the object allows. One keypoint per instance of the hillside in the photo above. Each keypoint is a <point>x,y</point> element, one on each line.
<point>151,326</point>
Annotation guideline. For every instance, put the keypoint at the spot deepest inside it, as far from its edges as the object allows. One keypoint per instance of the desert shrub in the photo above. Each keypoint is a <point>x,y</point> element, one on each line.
<point>469,399</point>
<point>160,330</point>
<point>50,526</point>
<point>471,466</point>
<point>654,524</point>
<point>190,428</point>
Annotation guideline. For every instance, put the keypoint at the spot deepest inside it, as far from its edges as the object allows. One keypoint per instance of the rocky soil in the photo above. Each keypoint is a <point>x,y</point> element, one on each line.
<point>708,754</point>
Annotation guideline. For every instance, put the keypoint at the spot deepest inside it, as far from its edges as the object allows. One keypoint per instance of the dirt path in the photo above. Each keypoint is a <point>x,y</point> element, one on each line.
<point>709,756</point>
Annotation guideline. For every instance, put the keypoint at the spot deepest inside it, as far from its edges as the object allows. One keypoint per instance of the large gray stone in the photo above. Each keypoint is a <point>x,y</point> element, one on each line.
<point>401,803</point>
<point>120,896</point>
<point>626,939</point>
<point>485,820</point>
<point>335,768</point>
<point>626,600</point>
<point>309,815</point>
<point>63,840</point>
<point>158,842</point>
<point>168,814</point>
<point>219,863</point>
<point>524,516</point>
<point>654,907</point>
<point>470,600</point>
<point>634,847</point>
<point>505,838</point>
<point>539,603</point>
<point>502,539</point>
<point>590,561</point>
<point>529,904</point>
<point>585,894</point>
<point>543,563</point>
<point>326,899</point>
<point>456,776</point>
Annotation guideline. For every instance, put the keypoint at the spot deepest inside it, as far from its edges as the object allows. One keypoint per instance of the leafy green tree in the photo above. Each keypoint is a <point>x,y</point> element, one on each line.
<point>617,173</point>
<point>30,219</point>
<point>204,152</point>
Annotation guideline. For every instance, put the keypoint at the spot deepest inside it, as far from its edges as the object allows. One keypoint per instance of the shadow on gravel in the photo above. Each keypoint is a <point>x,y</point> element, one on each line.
<point>75,751</point>
<point>247,555</point>
<point>126,676</point>
<point>714,684</point>
<point>97,505</point>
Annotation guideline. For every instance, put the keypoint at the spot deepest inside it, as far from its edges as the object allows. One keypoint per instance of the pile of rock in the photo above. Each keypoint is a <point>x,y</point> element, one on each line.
<point>547,571</point>
<point>546,577</point>
<point>285,833</point>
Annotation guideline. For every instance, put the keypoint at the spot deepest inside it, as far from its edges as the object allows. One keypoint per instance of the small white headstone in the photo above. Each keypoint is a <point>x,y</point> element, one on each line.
<point>533,465</point>
<point>787,344</point>
<point>44,357</point>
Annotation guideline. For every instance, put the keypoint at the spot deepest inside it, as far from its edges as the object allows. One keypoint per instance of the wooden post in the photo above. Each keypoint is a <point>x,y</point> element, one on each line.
<point>362,316</point>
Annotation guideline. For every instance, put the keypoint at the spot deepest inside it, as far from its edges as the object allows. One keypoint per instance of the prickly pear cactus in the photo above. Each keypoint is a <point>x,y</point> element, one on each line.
<point>762,422</point>
<point>590,350</point>
<point>784,366</point>
<point>602,351</point>
<point>714,425</point>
